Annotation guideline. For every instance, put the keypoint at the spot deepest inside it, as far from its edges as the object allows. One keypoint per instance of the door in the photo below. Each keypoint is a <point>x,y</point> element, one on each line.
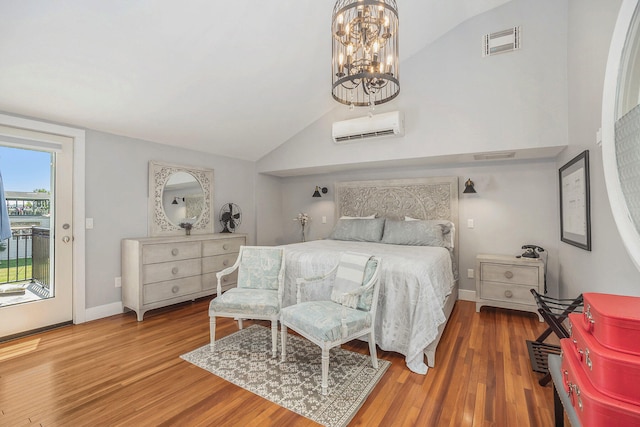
<point>57,307</point>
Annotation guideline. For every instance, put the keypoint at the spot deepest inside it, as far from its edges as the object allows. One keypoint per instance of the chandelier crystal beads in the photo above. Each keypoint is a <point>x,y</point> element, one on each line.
<point>365,52</point>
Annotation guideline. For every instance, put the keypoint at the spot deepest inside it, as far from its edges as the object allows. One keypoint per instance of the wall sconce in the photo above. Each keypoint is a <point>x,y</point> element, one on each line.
<point>318,190</point>
<point>175,200</point>
<point>468,187</point>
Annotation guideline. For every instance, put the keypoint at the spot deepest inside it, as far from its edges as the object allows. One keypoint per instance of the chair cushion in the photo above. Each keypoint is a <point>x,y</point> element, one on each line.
<point>322,319</point>
<point>263,302</point>
<point>259,268</point>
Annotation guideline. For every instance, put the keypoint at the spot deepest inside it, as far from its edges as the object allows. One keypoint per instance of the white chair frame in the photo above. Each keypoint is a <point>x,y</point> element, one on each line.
<point>273,318</point>
<point>326,346</point>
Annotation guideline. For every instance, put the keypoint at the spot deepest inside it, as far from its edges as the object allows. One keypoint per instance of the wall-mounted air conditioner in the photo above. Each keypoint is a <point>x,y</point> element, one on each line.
<point>378,125</point>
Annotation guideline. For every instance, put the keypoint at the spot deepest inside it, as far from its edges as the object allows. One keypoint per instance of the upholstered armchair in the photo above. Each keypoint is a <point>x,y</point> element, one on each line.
<point>330,311</point>
<point>258,294</point>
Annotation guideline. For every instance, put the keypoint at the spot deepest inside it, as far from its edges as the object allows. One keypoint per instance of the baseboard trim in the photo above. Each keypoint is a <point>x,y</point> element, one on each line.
<point>106,310</point>
<point>466,295</point>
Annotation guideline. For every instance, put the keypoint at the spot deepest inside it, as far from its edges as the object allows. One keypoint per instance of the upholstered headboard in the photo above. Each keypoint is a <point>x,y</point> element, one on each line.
<point>422,198</point>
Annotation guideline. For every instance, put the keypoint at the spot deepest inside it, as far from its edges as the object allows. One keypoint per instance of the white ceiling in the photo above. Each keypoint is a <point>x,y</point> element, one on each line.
<point>233,78</point>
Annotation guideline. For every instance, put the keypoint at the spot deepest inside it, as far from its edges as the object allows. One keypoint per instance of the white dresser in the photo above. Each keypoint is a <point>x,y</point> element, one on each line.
<point>160,271</point>
<point>505,281</point>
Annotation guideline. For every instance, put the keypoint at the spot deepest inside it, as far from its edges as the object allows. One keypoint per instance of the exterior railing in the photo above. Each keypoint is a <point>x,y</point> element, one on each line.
<point>27,245</point>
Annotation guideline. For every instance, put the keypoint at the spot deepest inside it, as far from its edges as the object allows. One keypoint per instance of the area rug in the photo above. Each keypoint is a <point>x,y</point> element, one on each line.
<point>244,359</point>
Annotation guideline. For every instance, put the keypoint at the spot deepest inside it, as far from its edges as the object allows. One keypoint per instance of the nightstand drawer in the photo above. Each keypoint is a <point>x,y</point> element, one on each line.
<point>505,292</point>
<point>516,274</point>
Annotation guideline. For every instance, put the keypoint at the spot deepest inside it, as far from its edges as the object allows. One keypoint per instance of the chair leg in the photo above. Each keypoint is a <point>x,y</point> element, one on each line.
<point>239,323</point>
<point>212,332</point>
<point>283,339</point>
<point>274,338</point>
<point>325,370</point>
<point>372,350</point>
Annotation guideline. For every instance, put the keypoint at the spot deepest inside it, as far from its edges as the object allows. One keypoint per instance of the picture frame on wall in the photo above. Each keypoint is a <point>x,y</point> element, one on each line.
<point>575,203</point>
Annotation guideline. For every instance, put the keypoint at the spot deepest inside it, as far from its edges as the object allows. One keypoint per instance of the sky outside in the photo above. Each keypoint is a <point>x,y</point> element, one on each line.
<point>25,170</point>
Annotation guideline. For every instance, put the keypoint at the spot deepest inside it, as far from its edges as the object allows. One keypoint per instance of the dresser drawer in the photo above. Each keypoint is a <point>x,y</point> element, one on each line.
<point>517,274</point>
<point>505,292</point>
<point>210,281</point>
<point>164,252</point>
<point>213,264</point>
<point>171,270</point>
<point>171,289</point>
<point>221,246</point>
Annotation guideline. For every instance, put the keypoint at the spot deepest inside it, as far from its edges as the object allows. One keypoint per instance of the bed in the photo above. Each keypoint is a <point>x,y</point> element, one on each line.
<point>419,268</point>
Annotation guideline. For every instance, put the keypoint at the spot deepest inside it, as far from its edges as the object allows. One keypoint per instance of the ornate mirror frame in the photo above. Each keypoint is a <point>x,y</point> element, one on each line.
<point>620,94</point>
<point>159,174</point>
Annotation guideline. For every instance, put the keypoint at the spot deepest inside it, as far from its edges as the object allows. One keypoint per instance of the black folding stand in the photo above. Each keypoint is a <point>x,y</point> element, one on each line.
<point>554,312</point>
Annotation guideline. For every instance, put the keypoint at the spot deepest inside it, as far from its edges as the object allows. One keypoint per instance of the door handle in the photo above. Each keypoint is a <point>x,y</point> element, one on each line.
<point>66,239</point>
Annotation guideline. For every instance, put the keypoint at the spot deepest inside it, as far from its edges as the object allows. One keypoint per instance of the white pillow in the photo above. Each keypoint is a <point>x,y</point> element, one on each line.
<point>408,218</point>
<point>358,217</point>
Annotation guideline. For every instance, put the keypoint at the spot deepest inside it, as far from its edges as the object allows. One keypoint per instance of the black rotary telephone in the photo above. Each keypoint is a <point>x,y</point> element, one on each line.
<point>531,251</point>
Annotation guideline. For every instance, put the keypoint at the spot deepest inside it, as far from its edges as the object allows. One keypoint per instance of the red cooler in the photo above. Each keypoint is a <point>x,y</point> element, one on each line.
<point>611,372</point>
<point>593,407</point>
<point>614,320</point>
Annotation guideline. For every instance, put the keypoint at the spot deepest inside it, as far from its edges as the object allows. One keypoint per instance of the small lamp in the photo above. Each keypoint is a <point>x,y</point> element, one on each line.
<point>468,187</point>
<point>318,190</point>
<point>175,201</point>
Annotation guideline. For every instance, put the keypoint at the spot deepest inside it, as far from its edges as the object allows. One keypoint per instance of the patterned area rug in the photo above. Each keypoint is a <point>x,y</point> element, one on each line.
<point>244,359</point>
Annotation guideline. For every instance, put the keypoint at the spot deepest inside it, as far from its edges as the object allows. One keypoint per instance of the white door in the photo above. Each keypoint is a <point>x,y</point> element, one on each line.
<point>58,308</point>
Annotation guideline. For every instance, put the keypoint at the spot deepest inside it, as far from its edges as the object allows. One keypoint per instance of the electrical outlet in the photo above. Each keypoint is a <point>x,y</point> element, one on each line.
<point>470,273</point>
<point>118,282</point>
<point>470,223</point>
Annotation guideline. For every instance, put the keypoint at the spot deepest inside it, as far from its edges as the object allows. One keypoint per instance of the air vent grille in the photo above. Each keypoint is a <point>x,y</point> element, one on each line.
<point>501,41</point>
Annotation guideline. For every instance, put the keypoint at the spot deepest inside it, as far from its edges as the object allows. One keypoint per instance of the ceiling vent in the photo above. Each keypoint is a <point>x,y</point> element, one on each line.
<point>500,42</point>
<point>379,125</point>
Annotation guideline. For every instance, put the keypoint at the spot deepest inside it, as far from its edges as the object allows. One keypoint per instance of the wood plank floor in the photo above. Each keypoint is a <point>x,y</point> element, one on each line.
<point>117,371</point>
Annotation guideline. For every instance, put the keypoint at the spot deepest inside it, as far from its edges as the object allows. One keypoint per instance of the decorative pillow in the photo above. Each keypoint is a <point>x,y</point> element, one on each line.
<point>448,229</point>
<point>358,217</point>
<point>358,230</point>
<point>415,233</point>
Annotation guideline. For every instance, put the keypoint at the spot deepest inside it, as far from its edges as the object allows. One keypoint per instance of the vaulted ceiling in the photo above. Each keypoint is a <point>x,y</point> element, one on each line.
<point>233,78</point>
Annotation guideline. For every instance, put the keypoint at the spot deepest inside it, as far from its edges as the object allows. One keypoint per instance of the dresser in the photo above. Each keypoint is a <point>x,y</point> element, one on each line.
<point>160,271</point>
<point>505,281</point>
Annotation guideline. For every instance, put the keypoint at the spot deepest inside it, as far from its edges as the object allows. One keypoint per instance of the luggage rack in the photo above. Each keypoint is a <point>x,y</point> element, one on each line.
<point>554,311</point>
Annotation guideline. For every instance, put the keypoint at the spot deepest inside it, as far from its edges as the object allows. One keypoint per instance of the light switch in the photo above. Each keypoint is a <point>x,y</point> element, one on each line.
<point>470,273</point>
<point>324,219</point>
<point>470,223</point>
<point>88,223</point>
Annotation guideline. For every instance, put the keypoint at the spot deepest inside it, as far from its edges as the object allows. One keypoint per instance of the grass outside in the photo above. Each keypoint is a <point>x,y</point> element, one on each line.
<point>14,270</point>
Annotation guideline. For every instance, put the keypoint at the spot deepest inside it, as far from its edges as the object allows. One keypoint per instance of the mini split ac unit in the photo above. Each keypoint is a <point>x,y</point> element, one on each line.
<point>379,125</point>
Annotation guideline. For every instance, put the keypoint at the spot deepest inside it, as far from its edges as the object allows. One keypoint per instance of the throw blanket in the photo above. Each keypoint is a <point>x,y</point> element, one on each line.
<point>349,278</point>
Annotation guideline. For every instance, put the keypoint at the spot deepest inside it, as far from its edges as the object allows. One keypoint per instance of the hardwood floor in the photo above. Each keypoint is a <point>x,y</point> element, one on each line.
<point>117,371</point>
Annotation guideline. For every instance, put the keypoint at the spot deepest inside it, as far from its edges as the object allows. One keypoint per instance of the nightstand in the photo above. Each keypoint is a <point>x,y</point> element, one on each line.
<point>505,281</point>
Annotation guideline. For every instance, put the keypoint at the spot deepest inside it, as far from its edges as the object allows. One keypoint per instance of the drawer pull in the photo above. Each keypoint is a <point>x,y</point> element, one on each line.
<point>174,270</point>
<point>174,251</point>
<point>225,262</point>
<point>508,274</point>
<point>175,289</point>
<point>225,247</point>
<point>508,294</point>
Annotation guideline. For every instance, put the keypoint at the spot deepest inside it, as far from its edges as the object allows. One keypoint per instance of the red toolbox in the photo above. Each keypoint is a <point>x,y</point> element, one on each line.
<point>592,407</point>
<point>614,320</point>
<point>611,372</point>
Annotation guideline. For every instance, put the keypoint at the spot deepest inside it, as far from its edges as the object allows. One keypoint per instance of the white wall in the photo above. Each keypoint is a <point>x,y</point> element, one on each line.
<point>455,101</point>
<point>116,198</point>
<point>516,204</point>
<point>607,268</point>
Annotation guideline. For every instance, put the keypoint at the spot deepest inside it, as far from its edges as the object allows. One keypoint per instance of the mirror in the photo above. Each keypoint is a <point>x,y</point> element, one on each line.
<point>621,127</point>
<point>179,194</point>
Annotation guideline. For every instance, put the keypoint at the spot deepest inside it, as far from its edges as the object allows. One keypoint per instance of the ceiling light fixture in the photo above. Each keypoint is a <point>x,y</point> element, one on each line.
<point>365,52</point>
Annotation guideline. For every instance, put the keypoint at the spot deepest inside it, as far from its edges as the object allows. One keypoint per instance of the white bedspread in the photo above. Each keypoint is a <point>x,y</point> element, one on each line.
<point>415,281</point>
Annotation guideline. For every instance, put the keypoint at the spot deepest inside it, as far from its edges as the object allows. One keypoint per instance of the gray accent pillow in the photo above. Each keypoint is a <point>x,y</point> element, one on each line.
<point>358,230</point>
<point>414,233</point>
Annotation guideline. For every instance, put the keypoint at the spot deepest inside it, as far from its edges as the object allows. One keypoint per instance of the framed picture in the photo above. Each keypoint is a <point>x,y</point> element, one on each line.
<point>575,205</point>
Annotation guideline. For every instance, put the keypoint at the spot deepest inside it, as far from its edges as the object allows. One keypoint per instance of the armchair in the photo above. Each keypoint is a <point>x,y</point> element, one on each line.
<point>329,316</point>
<point>258,294</point>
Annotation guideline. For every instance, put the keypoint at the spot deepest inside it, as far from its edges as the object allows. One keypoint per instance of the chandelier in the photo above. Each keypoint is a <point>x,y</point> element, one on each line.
<point>365,52</point>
